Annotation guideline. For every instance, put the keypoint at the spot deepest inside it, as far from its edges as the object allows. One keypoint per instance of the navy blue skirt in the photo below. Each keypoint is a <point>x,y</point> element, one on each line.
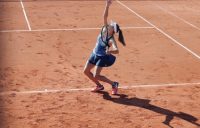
<point>102,61</point>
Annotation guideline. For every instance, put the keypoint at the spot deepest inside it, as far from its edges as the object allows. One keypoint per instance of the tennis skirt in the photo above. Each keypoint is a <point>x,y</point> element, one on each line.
<point>102,61</point>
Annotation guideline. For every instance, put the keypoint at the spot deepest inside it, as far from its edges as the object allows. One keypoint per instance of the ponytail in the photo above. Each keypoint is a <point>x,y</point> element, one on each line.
<point>121,38</point>
<point>119,31</point>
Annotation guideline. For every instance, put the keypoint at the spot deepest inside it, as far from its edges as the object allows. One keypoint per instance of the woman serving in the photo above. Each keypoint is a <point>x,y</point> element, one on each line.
<point>102,53</point>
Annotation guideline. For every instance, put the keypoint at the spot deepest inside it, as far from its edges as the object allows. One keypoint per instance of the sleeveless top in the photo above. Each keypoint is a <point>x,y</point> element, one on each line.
<point>100,48</point>
<point>102,43</point>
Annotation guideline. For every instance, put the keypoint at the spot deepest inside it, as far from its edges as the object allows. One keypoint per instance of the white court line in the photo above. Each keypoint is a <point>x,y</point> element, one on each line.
<point>27,21</point>
<point>89,89</point>
<point>161,31</point>
<point>171,13</point>
<point>68,29</point>
<point>18,30</point>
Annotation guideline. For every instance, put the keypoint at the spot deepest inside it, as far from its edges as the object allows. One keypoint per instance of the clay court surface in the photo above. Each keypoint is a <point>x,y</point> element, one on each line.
<point>45,45</point>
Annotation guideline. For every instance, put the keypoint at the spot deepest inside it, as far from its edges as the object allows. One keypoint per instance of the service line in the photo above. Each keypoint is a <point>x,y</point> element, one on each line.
<point>161,31</point>
<point>69,29</point>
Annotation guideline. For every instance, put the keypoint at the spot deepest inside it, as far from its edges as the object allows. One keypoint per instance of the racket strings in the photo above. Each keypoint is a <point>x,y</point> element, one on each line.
<point>105,36</point>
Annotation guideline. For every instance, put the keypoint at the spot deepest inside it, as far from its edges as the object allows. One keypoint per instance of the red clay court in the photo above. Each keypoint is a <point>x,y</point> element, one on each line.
<point>46,43</point>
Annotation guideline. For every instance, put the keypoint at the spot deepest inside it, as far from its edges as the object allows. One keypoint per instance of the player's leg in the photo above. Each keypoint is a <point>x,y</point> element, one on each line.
<point>97,75</point>
<point>89,74</point>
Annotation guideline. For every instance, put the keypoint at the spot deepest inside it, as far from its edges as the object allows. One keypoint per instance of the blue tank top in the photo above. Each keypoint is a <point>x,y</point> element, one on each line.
<point>100,48</point>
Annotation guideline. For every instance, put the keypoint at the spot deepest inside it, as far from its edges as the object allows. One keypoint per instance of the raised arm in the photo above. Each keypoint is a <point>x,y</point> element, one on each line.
<point>108,3</point>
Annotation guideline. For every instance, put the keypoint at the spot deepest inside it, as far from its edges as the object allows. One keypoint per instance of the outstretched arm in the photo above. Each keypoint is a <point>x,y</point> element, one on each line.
<point>108,3</point>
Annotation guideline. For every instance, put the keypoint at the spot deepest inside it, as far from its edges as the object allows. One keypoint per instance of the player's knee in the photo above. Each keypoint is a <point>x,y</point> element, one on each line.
<point>85,72</point>
<point>96,76</point>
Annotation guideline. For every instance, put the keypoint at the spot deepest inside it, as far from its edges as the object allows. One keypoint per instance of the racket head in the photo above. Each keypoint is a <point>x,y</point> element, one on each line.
<point>104,34</point>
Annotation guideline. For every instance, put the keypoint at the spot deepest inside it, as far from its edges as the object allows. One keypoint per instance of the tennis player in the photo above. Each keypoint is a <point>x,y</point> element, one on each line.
<point>102,53</point>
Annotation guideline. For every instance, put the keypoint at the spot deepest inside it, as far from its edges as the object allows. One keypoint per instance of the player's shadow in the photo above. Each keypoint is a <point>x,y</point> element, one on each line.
<point>145,103</point>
